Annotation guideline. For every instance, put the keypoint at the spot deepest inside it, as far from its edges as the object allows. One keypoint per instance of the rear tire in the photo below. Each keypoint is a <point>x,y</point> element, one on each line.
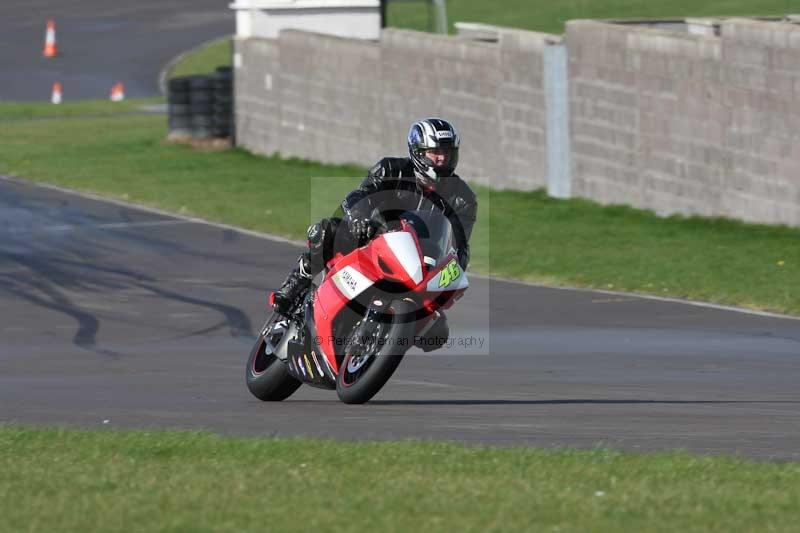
<point>267,377</point>
<point>360,386</point>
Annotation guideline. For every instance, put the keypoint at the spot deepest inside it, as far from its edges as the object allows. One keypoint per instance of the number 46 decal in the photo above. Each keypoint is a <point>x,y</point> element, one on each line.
<point>449,274</point>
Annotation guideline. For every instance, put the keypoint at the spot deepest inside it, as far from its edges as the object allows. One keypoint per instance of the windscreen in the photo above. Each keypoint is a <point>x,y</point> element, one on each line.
<point>434,232</point>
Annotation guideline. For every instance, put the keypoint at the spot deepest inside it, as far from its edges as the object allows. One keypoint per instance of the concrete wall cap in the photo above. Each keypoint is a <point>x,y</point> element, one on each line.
<point>655,32</point>
<point>476,30</point>
<point>637,21</point>
<point>400,32</point>
<point>781,35</point>
<point>705,21</point>
<point>588,22</point>
<point>240,39</point>
<point>472,30</point>
<point>293,32</point>
<point>761,23</point>
<point>390,34</point>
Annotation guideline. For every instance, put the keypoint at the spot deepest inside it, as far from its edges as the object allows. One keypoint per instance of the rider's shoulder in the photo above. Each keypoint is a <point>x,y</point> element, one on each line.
<point>389,167</point>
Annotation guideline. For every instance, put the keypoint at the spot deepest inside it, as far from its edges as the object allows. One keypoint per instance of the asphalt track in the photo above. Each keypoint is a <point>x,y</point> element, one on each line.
<point>113,316</point>
<point>100,43</point>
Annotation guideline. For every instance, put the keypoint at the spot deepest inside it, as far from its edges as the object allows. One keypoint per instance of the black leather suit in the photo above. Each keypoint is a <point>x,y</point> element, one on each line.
<point>391,188</point>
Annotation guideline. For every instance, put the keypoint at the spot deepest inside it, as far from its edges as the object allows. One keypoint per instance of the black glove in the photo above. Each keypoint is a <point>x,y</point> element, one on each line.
<point>463,257</point>
<point>362,229</point>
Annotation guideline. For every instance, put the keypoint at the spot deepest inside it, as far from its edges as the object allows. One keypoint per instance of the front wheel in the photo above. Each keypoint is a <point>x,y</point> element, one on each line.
<point>367,366</point>
<point>266,376</point>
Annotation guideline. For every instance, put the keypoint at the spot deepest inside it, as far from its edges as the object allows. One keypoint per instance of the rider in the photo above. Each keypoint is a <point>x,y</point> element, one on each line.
<point>393,185</point>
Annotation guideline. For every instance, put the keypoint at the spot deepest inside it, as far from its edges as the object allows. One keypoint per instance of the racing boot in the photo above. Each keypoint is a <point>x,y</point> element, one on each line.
<point>436,335</point>
<point>294,288</point>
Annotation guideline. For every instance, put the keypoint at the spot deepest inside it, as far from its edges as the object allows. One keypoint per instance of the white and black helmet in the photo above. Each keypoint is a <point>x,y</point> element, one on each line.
<point>433,134</point>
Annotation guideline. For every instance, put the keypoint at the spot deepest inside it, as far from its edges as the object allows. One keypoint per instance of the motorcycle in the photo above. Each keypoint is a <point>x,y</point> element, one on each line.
<point>350,332</point>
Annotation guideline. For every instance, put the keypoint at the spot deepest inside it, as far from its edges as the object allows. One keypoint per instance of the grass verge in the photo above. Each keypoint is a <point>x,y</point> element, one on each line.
<point>75,108</point>
<point>94,480</point>
<point>521,235</point>
<point>204,59</point>
<point>549,16</point>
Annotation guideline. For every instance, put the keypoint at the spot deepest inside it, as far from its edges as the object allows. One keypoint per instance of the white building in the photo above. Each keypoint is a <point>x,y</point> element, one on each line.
<point>358,19</point>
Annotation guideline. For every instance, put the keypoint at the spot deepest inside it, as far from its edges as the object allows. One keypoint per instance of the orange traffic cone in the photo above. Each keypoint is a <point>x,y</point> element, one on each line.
<point>118,92</point>
<point>56,98</point>
<point>50,49</point>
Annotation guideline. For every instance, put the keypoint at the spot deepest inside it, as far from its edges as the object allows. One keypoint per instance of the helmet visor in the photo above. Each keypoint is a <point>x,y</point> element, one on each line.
<point>442,158</point>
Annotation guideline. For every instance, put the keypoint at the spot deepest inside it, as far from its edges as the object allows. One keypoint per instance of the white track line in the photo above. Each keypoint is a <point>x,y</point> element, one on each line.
<point>300,244</point>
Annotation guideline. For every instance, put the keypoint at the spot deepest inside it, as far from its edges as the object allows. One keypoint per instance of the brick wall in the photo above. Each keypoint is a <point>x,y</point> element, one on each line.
<point>687,124</point>
<point>257,106</point>
<point>328,95</point>
<point>339,100</point>
<point>521,106</point>
<point>658,119</point>
<point>762,76</point>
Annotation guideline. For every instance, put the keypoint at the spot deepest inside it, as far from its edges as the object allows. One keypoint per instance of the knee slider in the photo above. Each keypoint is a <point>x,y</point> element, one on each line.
<point>315,233</point>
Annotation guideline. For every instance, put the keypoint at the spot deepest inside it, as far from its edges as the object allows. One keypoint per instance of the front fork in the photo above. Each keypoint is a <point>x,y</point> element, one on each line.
<point>375,314</point>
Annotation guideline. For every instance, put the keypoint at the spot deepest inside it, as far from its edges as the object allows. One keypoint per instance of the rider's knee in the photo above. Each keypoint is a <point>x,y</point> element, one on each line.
<point>321,245</point>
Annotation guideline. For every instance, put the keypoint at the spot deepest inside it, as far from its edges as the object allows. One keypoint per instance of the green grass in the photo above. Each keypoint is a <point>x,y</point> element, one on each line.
<point>127,157</point>
<point>204,59</point>
<point>578,242</point>
<point>521,235</point>
<point>550,16</point>
<point>75,108</point>
<point>80,480</point>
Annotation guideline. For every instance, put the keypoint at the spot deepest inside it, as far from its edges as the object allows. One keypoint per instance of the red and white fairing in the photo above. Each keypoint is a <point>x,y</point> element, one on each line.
<point>395,256</point>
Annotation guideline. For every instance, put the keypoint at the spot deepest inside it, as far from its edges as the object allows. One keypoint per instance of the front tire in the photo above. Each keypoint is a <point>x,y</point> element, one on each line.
<point>358,381</point>
<point>266,376</point>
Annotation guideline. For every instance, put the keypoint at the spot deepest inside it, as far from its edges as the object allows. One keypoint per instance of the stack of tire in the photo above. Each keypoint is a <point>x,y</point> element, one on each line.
<point>180,113</point>
<point>201,107</point>
<point>222,81</point>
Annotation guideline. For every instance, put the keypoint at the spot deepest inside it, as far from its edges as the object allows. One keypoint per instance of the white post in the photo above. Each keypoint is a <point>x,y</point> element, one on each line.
<point>556,93</point>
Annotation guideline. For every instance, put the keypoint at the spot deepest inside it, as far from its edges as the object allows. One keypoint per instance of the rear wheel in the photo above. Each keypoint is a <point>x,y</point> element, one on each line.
<point>266,375</point>
<point>368,364</point>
